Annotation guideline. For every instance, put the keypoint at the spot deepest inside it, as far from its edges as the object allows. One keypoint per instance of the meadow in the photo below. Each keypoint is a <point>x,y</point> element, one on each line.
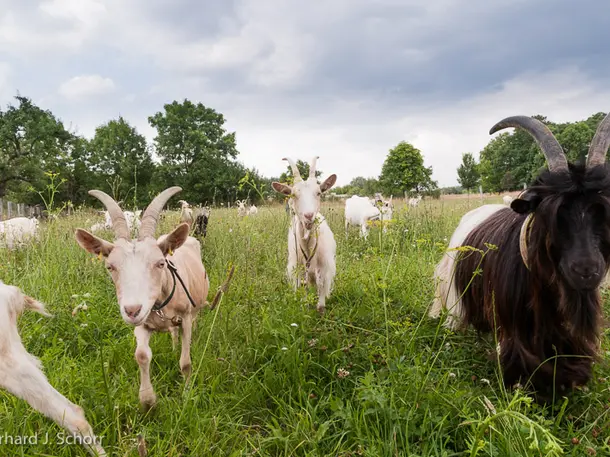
<point>374,376</point>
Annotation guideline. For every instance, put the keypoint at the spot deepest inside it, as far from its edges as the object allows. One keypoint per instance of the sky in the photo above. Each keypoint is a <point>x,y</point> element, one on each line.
<point>342,79</point>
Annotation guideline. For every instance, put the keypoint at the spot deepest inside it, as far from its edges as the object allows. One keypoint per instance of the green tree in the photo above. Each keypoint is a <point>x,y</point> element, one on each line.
<point>360,186</point>
<point>32,141</point>
<point>122,162</point>
<point>468,172</point>
<point>196,152</point>
<point>575,139</point>
<point>404,171</point>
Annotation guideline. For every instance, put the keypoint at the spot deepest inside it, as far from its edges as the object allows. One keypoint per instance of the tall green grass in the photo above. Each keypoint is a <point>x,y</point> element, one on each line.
<point>373,377</point>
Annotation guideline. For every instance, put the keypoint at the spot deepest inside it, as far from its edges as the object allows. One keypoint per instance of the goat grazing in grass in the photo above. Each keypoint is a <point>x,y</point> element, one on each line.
<point>414,201</point>
<point>361,210</point>
<point>311,243</point>
<point>144,271</point>
<point>536,267</point>
<point>202,217</point>
<point>18,230</point>
<point>21,373</point>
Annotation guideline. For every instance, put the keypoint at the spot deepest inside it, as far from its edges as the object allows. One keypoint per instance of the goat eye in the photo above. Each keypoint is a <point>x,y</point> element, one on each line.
<point>110,267</point>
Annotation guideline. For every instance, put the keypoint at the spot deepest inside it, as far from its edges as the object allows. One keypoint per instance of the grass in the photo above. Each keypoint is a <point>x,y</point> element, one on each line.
<point>373,377</point>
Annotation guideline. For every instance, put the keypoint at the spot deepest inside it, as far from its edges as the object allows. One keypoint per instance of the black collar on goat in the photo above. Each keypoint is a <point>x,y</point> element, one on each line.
<point>545,306</point>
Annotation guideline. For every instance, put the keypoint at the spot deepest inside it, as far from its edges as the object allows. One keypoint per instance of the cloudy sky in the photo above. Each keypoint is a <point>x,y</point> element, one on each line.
<point>342,79</point>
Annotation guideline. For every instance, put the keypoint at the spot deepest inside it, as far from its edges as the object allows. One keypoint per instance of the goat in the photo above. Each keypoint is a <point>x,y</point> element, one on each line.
<point>361,210</point>
<point>414,201</point>
<point>252,210</point>
<point>241,208</point>
<point>507,199</point>
<point>186,214</point>
<point>202,216</point>
<point>144,271</point>
<point>132,218</point>
<point>21,373</point>
<point>16,231</point>
<point>540,286</point>
<point>310,240</point>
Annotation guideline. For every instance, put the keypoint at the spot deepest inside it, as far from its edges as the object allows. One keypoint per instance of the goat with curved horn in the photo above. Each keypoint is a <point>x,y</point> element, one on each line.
<point>161,283</point>
<point>295,170</point>
<point>151,215</point>
<point>545,139</point>
<point>119,223</point>
<point>312,167</point>
<point>600,143</point>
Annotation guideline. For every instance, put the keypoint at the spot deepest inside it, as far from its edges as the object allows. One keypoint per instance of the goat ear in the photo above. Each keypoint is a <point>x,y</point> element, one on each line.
<point>523,206</point>
<point>328,183</point>
<point>281,188</point>
<point>175,239</point>
<point>93,244</point>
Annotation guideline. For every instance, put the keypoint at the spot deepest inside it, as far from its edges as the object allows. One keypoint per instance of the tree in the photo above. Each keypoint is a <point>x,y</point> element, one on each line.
<point>360,186</point>
<point>121,161</point>
<point>32,141</point>
<point>404,171</point>
<point>196,151</point>
<point>468,172</point>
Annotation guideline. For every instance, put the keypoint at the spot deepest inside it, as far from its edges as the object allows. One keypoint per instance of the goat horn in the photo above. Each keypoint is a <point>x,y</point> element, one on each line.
<point>151,215</point>
<point>549,145</point>
<point>119,224</point>
<point>599,143</point>
<point>295,171</point>
<point>312,167</point>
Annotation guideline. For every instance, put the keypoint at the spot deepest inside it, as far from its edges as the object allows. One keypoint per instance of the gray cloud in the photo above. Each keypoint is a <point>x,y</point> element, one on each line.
<point>348,78</point>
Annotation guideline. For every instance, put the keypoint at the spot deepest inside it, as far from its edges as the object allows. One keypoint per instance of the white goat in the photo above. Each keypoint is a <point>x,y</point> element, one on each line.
<point>186,215</point>
<point>310,240</point>
<point>21,373</point>
<point>241,208</point>
<point>15,232</point>
<point>252,210</point>
<point>414,202</point>
<point>144,271</point>
<point>132,219</point>
<point>360,210</point>
<point>507,199</point>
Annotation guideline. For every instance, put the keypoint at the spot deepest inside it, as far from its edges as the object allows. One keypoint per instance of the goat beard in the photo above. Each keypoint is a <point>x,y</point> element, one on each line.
<point>581,316</point>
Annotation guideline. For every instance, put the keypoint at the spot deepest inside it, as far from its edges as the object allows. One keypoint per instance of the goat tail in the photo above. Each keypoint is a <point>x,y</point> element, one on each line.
<point>35,305</point>
<point>223,288</point>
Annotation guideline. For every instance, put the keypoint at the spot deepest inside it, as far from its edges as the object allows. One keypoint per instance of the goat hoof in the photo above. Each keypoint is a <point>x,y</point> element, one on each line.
<point>148,402</point>
<point>186,371</point>
<point>321,309</point>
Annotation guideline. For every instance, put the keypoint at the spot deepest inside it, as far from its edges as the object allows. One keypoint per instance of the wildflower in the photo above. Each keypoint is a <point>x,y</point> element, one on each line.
<point>284,348</point>
<point>84,307</point>
<point>87,295</point>
<point>452,375</point>
<point>342,373</point>
<point>83,325</point>
<point>312,342</point>
<point>230,230</point>
<point>294,325</point>
<point>485,381</point>
<point>75,296</point>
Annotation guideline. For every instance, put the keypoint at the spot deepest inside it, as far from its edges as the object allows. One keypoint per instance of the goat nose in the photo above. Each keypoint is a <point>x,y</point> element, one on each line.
<point>583,270</point>
<point>308,216</point>
<point>133,310</point>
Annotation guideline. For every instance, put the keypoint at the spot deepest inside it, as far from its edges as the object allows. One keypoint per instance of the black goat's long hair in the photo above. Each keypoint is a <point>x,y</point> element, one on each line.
<point>548,331</point>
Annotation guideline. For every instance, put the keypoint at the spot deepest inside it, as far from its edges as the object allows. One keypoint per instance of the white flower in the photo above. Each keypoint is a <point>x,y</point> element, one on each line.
<point>75,296</point>
<point>84,307</point>
<point>284,348</point>
<point>485,381</point>
<point>294,325</point>
<point>87,295</point>
<point>230,230</point>
<point>83,325</point>
<point>452,375</point>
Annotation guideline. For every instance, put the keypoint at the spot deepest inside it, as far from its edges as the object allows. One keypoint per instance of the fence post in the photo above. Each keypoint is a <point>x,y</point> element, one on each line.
<point>1,209</point>
<point>8,209</point>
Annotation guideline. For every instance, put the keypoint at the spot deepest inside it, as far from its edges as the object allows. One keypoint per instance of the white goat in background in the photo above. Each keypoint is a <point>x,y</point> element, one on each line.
<point>132,218</point>
<point>242,210</point>
<point>144,271</point>
<point>311,243</point>
<point>21,373</point>
<point>15,232</point>
<point>186,215</point>
<point>414,201</point>
<point>361,210</point>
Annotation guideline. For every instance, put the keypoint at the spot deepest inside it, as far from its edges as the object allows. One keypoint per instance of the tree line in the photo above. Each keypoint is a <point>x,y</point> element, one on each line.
<point>512,160</point>
<point>191,149</point>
